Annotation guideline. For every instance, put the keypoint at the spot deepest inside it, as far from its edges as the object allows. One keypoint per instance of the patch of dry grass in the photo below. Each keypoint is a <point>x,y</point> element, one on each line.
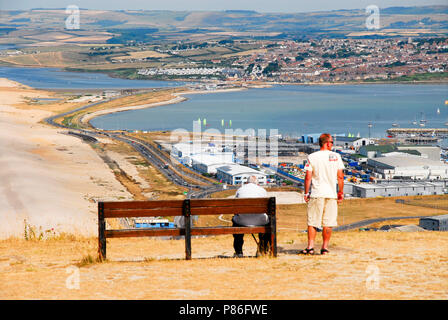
<point>294,216</point>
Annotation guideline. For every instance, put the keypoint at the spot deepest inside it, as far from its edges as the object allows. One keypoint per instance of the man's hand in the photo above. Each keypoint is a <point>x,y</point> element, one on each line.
<point>340,197</point>
<point>306,197</point>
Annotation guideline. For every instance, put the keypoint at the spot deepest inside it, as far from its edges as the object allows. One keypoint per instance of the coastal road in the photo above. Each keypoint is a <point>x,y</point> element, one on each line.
<point>159,154</point>
<point>203,187</point>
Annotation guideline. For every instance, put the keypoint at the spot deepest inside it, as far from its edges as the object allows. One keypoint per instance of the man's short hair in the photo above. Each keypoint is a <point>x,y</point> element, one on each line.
<point>324,138</point>
<point>252,179</point>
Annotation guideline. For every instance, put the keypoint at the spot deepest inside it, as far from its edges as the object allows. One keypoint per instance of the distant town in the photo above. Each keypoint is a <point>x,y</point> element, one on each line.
<point>327,60</point>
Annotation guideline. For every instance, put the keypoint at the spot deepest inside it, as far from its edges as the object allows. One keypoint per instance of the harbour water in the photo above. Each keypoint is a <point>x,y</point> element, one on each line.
<point>296,110</point>
<point>53,78</point>
<point>293,110</point>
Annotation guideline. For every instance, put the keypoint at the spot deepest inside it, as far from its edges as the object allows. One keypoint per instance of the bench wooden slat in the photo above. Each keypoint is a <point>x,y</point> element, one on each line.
<point>228,230</point>
<point>159,232</point>
<point>239,202</point>
<point>227,210</point>
<point>156,212</point>
<point>153,204</point>
<point>200,231</point>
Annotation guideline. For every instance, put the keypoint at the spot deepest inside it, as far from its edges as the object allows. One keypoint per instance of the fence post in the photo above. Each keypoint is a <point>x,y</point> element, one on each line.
<point>272,219</point>
<point>101,232</point>
<point>187,225</point>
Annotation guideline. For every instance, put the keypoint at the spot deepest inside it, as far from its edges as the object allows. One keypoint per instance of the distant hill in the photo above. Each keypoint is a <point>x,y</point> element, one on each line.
<point>415,21</point>
<point>416,10</point>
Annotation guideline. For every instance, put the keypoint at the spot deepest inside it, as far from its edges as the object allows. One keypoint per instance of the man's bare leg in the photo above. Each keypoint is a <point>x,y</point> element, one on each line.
<point>326,235</point>
<point>311,236</point>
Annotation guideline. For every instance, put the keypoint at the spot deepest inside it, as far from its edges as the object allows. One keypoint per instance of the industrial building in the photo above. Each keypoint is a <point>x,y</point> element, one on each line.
<point>185,152</point>
<point>394,189</point>
<point>373,151</point>
<point>406,166</point>
<point>237,174</point>
<point>436,223</point>
<point>208,163</point>
<point>351,142</point>
<point>427,152</point>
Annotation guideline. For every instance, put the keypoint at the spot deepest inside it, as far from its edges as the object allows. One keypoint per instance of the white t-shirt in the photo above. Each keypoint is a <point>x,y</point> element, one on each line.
<point>324,165</point>
<point>251,190</point>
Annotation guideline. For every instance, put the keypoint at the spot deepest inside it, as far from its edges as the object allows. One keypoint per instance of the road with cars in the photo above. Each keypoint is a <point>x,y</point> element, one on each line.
<point>203,188</point>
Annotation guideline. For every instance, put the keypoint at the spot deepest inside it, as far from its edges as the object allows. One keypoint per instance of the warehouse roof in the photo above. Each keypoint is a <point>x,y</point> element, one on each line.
<point>212,159</point>
<point>381,148</point>
<point>408,161</point>
<point>439,218</point>
<point>235,169</point>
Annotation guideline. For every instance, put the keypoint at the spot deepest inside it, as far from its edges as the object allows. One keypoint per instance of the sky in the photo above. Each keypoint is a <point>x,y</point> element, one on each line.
<point>286,6</point>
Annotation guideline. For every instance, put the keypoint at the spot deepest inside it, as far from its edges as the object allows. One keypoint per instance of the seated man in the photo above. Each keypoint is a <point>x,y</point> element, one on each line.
<point>251,190</point>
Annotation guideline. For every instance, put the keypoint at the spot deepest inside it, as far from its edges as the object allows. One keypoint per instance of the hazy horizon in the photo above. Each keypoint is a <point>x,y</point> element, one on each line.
<point>284,6</point>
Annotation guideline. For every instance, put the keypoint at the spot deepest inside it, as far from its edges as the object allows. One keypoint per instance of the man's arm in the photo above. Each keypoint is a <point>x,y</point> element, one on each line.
<point>308,177</point>
<point>340,185</point>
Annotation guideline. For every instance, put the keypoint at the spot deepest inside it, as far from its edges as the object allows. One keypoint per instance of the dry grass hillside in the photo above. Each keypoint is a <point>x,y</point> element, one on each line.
<point>361,265</point>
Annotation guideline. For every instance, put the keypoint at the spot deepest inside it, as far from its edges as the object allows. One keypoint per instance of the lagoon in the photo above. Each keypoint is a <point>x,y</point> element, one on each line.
<point>297,109</point>
<point>54,78</point>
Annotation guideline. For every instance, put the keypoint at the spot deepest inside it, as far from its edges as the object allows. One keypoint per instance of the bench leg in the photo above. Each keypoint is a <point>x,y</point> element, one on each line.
<point>272,216</point>
<point>187,220</point>
<point>187,239</point>
<point>101,233</point>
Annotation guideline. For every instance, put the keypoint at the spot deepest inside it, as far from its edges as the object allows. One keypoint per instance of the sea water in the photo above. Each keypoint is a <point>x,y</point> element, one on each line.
<point>54,78</point>
<point>295,110</point>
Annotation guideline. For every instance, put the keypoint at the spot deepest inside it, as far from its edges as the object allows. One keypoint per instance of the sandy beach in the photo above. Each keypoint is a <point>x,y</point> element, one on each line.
<point>177,98</point>
<point>49,179</point>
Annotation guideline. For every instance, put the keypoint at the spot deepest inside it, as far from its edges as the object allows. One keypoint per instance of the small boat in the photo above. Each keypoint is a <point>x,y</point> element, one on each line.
<point>438,111</point>
<point>422,120</point>
<point>394,124</point>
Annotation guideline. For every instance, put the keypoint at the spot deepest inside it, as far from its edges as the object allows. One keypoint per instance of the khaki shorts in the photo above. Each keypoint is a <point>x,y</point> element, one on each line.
<point>322,212</point>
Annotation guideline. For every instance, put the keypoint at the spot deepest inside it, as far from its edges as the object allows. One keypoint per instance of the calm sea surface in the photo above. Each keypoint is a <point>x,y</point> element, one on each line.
<point>53,78</point>
<point>296,110</point>
<point>292,110</point>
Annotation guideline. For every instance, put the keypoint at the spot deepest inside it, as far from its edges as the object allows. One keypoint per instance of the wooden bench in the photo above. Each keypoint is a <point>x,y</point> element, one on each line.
<point>185,208</point>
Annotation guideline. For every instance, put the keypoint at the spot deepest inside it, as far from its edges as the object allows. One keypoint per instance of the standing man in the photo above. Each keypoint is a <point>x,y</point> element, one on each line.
<point>251,190</point>
<point>324,171</point>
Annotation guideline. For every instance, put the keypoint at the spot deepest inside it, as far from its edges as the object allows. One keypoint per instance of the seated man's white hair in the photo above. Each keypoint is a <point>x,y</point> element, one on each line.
<point>252,179</point>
